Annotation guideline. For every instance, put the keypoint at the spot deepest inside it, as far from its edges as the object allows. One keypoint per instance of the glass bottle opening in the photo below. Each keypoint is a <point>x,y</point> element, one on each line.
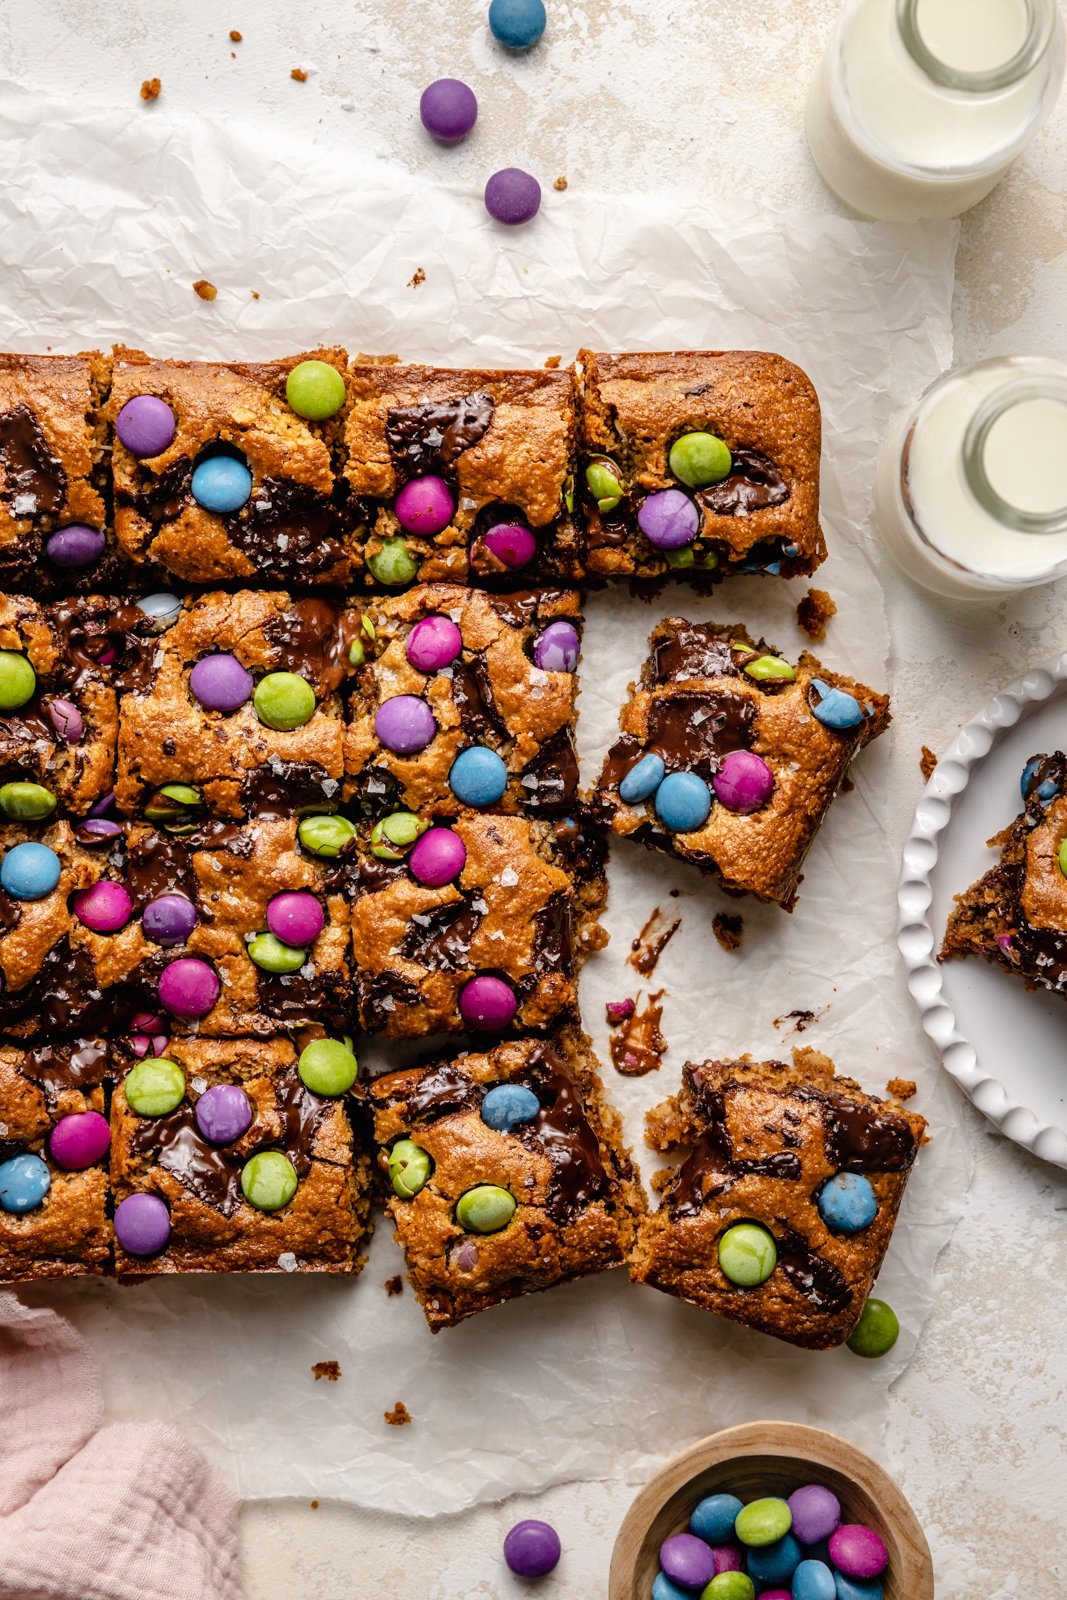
<point>1015,455</point>
<point>946,20</point>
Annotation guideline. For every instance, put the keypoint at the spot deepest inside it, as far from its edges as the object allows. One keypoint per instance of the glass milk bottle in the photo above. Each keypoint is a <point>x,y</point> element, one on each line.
<point>919,107</point>
<point>971,490</point>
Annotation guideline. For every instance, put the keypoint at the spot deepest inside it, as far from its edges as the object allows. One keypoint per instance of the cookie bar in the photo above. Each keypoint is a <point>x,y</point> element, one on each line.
<point>507,1173</point>
<point>223,722</point>
<point>464,476</point>
<point>699,463</point>
<point>781,1213</point>
<point>493,939</point>
<point>729,756</point>
<point>218,477</point>
<point>263,1176</point>
<point>53,473</point>
<point>54,1220</point>
<point>1016,914</point>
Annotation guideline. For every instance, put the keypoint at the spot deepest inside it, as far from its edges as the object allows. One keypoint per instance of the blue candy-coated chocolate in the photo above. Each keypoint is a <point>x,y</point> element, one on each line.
<point>478,777</point>
<point>771,1564</point>
<point>642,780</point>
<point>664,1589</point>
<point>714,1518</point>
<point>813,1580</point>
<point>508,1105</point>
<point>221,484</point>
<point>837,708</point>
<point>1046,790</point>
<point>847,1202</point>
<point>29,871</point>
<point>858,1588</point>
<point>683,802</point>
<point>24,1182</point>
<point>517,23</point>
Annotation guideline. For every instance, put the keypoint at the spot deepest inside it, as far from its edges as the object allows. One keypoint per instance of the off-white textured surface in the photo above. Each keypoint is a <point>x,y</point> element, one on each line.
<point>681,96</point>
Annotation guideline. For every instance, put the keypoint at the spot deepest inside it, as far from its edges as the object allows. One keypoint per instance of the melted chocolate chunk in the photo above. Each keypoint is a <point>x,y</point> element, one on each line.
<point>11,1147</point>
<point>472,691</point>
<point>175,1143</point>
<point>439,1092</point>
<point>522,607</point>
<point>713,1168</point>
<point>553,941</point>
<point>562,1131</point>
<point>168,494</point>
<point>375,792</point>
<point>692,732</point>
<point>290,531</point>
<point>23,732</point>
<point>864,1139</point>
<point>89,630</point>
<point>388,993</point>
<point>818,1280</point>
<point>291,997</point>
<point>440,939</point>
<point>79,1064</point>
<point>162,863</point>
<point>308,638</point>
<point>10,912</point>
<point>301,1113</point>
<point>752,483</point>
<point>430,438</point>
<point>62,996</point>
<point>692,650</point>
<point>550,781</point>
<point>284,788</point>
<point>31,473</point>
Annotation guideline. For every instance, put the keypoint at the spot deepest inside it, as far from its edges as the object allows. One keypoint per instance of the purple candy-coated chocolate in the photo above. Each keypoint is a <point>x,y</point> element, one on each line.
<point>142,1224</point>
<point>532,1549</point>
<point>669,519</point>
<point>857,1551</point>
<point>405,724</point>
<point>97,828</point>
<point>104,907</point>
<point>108,657</point>
<point>512,196</point>
<point>223,1113</point>
<point>66,719</point>
<point>295,917</point>
<point>687,1560</point>
<point>146,425</point>
<point>487,1003</point>
<point>511,543</point>
<point>449,110</point>
<point>558,647</point>
<point>169,919</point>
<point>437,858</point>
<point>728,1558</point>
<point>79,1141</point>
<point>220,682</point>
<point>433,643</point>
<point>102,807</point>
<point>188,988</point>
<point>816,1512</point>
<point>148,1021</point>
<point>425,505</point>
<point>76,546</point>
<point>774,1594</point>
<point>148,1044</point>
<point>744,782</point>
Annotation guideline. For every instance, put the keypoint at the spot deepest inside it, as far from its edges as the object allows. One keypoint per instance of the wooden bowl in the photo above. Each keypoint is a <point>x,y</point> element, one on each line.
<point>770,1458</point>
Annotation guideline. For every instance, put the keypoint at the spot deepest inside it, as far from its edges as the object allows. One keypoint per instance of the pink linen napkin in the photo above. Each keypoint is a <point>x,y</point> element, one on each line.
<point>126,1512</point>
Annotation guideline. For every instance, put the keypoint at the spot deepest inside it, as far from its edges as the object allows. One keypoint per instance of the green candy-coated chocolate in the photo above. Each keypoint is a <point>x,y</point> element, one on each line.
<point>26,802</point>
<point>680,558</point>
<point>392,836</point>
<point>876,1332</point>
<point>698,459</point>
<point>393,564</point>
<point>268,1180</point>
<point>747,1254</point>
<point>328,1066</point>
<point>357,655</point>
<point>315,390</point>
<point>485,1209</point>
<point>284,701</point>
<point>175,806</point>
<point>604,484</point>
<point>1063,858</point>
<point>763,1521</point>
<point>17,680</point>
<point>410,1167</point>
<point>154,1086</point>
<point>324,835</point>
<point>273,955</point>
<point>729,1586</point>
<point>771,669</point>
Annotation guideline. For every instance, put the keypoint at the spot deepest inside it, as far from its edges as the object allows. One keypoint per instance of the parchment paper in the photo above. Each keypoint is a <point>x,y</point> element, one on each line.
<point>105,222</point>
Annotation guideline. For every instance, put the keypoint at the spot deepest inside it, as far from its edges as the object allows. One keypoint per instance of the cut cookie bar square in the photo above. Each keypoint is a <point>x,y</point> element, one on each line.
<point>507,1173</point>
<point>699,464</point>
<point>729,756</point>
<point>780,1214</point>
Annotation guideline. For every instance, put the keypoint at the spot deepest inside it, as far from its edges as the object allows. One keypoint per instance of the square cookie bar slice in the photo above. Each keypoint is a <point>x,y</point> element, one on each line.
<point>466,476</point>
<point>467,699</point>
<point>53,473</point>
<point>699,463</point>
<point>54,1137</point>
<point>781,1212</point>
<point>507,1173</point>
<point>238,712</point>
<point>223,1160</point>
<point>729,756</point>
<point>1016,914</point>
<point>228,471</point>
<point>480,925</point>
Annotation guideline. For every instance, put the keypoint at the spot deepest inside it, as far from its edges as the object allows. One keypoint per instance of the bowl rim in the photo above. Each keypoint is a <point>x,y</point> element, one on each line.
<point>915,1577</point>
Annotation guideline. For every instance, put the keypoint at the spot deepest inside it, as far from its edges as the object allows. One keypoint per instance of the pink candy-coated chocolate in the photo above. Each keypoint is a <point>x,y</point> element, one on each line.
<point>744,782</point>
<point>728,1558</point>
<point>295,917</point>
<point>188,988</point>
<point>104,907</point>
<point>425,506</point>
<point>79,1141</point>
<point>857,1551</point>
<point>487,1003</point>
<point>67,720</point>
<point>148,1044</point>
<point>774,1594</point>
<point>437,858</point>
<point>511,544</point>
<point>433,643</point>
<point>147,1022</point>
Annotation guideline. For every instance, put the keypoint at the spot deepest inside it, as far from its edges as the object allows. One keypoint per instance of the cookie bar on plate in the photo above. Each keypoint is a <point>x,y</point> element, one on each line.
<point>729,756</point>
<point>781,1212</point>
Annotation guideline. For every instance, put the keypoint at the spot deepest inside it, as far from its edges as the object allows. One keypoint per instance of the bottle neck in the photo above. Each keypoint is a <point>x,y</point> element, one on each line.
<point>1014,451</point>
<point>924,28</point>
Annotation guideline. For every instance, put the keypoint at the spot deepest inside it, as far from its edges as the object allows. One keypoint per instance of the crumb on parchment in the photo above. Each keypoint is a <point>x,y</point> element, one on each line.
<point>394,1285</point>
<point>398,1416</point>
<point>553,362</point>
<point>150,89</point>
<point>236,35</point>
<point>314,1505</point>
<point>330,1370</point>
<point>205,289</point>
<point>927,763</point>
<point>728,929</point>
<point>299,75</point>
<point>560,183</point>
<point>814,612</point>
<point>902,1088</point>
<point>417,277</point>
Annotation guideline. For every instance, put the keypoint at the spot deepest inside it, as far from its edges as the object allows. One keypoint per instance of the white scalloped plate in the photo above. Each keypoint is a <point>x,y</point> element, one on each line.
<point>1005,1046</point>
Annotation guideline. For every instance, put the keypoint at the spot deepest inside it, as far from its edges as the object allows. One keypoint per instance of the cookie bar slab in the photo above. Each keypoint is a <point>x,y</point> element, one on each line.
<point>521,907</point>
<point>483,450</point>
<point>213,1226</point>
<point>710,700</point>
<point>289,528</point>
<point>761,515</point>
<point>236,762</point>
<point>764,1140</point>
<point>490,695</point>
<point>565,1194</point>
<point>53,473</point>
<point>67,1232</point>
